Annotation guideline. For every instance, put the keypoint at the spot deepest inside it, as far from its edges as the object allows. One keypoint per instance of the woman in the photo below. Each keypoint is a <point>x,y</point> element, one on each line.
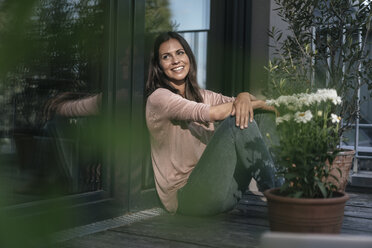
<point>199,170</point>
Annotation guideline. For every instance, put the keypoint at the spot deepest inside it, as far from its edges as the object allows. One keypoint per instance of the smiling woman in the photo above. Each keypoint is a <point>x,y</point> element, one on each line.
<point>200,170</point>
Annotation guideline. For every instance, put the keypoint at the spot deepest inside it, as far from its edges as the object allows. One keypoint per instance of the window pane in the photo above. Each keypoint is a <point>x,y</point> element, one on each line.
<point>190,14</point>
<point>198,44</point>
<point>365,137</point>
<point>48,142</point>
<point>365,105</point>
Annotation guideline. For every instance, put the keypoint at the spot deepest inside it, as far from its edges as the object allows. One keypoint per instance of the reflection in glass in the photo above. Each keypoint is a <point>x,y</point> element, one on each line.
<point>44,152</point>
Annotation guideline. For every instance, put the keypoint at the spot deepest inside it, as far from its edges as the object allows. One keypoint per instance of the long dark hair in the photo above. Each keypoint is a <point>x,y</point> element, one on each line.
<point>157,78</point>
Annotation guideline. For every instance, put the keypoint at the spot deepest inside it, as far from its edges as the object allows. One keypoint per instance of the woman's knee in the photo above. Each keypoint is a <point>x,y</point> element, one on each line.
<point>228,122</point>
<point>231,122</point>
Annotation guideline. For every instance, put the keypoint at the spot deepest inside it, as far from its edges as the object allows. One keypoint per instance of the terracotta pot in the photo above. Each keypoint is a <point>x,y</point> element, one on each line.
<point>343,161</point>
<point>321,215</point>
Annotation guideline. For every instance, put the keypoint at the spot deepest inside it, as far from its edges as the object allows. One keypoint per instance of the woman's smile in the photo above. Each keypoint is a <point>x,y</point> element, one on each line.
<point>178,69</point>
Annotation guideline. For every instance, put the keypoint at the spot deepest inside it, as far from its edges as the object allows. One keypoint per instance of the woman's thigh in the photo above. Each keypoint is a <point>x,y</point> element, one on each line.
<point>211,186</point>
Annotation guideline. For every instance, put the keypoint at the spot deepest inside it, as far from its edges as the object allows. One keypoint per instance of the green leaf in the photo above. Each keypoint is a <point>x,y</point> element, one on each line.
<point>339,171</point>
<point>322,189</point>
<point>290,176</point>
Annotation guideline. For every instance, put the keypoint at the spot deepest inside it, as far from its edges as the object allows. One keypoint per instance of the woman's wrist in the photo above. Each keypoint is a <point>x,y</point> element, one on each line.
<point>258,104</point>
<point>220,112</point>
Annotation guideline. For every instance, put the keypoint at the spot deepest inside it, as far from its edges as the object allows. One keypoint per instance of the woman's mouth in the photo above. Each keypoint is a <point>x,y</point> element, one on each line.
<point>177,69</point>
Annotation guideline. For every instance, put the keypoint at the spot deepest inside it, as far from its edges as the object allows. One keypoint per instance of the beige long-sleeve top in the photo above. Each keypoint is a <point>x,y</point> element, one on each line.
<point>179,132</point>
<point>81,107</point>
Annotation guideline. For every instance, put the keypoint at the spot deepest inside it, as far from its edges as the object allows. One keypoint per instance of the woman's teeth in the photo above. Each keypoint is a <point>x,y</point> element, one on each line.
<point>178,68</point>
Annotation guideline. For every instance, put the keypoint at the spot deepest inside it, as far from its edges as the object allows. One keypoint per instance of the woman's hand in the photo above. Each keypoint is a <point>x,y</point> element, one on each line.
<point>243,110</point>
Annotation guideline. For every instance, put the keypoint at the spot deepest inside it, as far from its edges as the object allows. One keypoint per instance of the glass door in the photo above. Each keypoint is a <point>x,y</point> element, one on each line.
<point>51,100</point>
<point>63,77</point>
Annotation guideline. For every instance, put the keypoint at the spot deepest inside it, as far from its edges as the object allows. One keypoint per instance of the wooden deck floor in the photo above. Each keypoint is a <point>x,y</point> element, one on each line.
<point>241,227</point>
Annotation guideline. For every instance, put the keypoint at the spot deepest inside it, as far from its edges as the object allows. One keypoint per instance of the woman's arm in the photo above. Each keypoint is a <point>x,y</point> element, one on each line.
<point>72,104</point>
<point>164,104</point>
<point>259,104</point>
<point>80,107</point>
<point>221,111</point>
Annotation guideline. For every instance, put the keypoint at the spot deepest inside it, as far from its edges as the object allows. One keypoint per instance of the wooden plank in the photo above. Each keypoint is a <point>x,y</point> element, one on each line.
<point>252,201</point>
<point>250,211</point>
<point>360,200</point>
<point>111,239</point>
<point>357,224</point>
<point>360,212</point>
<point>218,231</point>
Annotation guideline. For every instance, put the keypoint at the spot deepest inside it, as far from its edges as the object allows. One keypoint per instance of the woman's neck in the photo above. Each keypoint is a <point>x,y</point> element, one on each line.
<point>180,86</point>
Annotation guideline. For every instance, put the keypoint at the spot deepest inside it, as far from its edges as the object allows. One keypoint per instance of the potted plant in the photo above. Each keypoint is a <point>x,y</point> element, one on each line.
<point>308,137</point>
<point>325,45</point>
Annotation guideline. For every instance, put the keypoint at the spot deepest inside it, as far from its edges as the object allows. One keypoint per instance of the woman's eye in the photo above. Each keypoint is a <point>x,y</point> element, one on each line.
<point>165,57</point>
<point>180,52</point>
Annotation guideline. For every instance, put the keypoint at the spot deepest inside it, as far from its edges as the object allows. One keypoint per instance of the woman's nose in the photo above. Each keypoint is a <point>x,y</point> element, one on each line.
<point>175,60</point>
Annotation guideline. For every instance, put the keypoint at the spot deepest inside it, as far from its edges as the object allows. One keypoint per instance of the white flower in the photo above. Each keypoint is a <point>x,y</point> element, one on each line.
<point>320,113</point>
<point>337,101</point>
<point>335,118</point>
<point>278,120</point>
<point>329,94</point>
<point>283,118</point>
<point>298,101</point>
<point>303,116</point>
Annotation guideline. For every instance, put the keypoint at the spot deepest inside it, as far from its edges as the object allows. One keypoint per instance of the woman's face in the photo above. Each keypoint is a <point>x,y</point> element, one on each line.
<point>174,61</point>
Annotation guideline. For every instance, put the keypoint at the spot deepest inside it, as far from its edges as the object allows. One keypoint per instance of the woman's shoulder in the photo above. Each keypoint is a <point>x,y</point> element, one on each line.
<point>160,96</point>
<point>158,93</point>
<point>213,98</point>
<point>161,92</point>
<point>205,92</point>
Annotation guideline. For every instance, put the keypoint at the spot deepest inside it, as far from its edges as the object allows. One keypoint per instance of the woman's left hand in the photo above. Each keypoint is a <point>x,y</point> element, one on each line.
<point>243,110</point>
